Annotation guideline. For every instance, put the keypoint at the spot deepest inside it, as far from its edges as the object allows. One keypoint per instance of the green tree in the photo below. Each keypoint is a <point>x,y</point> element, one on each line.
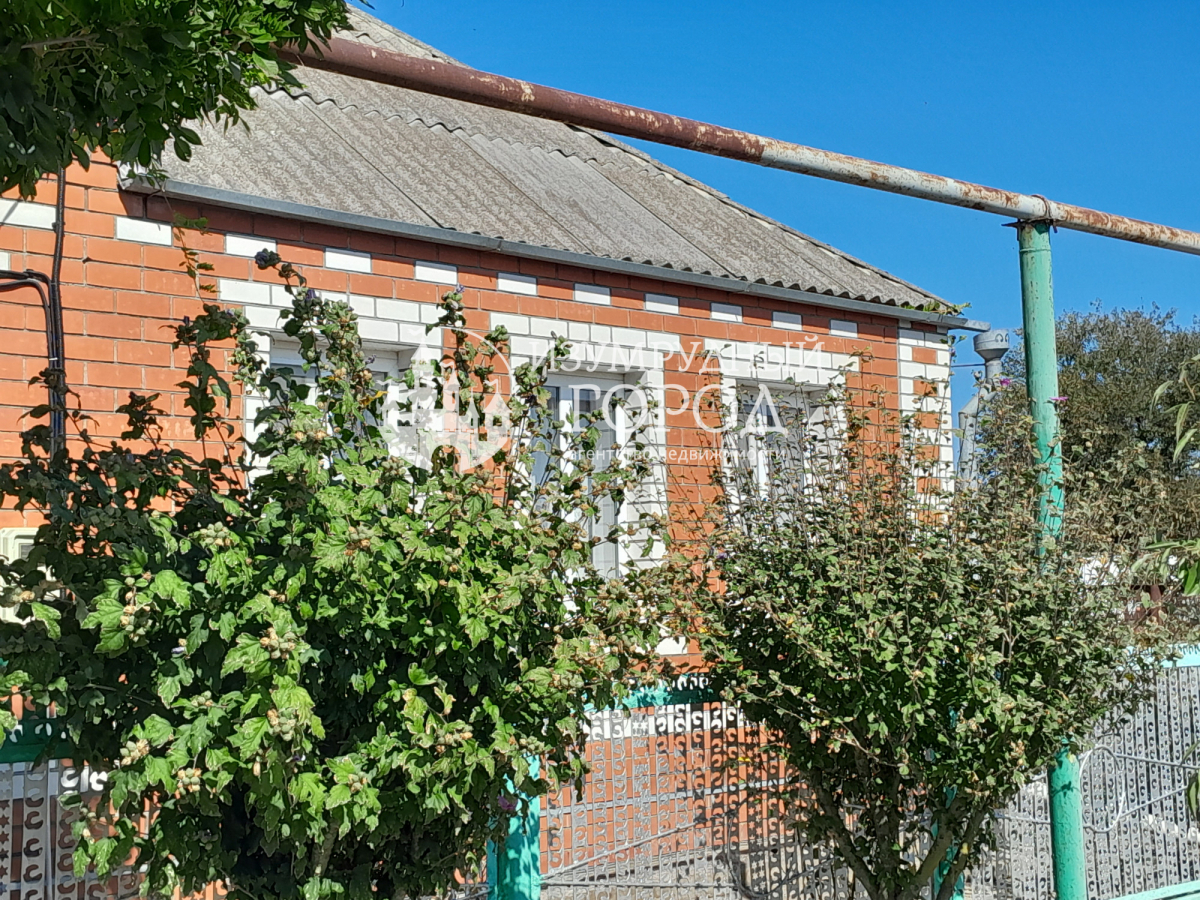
<point>918,653</point>
<point>1110,367</point>
<point>332,681</point>
<point>127,76</point>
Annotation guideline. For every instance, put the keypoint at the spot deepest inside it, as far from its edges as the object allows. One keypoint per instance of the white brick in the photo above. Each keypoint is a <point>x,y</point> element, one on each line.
<point>548,327</point>
<point>775,354</point>
<point>666,343</point>
<point>262,316</point>
<point>430,312</point>
<point>243,292</point>
<point>601,334</point>
<point>514,324</point>
<point>661,303</point>
<point>578,331</point>
<point>913,370</point>
<point>377,330</point>
<point>364,306</point>
<point>592,293</point>
<point>398,310</point>
<point>143,232</point>
<point>26,215</point>
<point>348,260</point>
<point>533,347</point>
<point>415,334</point>
<point>726,312</point>
<point>843,327</point>
<point>769,372</point>
<point>516,284</point>
<point>436,272</point>
<point>247,245</point>
<point>280,295</point>
<point>905,351</point>
<point>629,337</point>
<point>783,319</point>
<point>5,260</point>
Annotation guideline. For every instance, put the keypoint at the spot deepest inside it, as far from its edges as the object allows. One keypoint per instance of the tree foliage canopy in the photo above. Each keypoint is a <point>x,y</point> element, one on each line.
<point>330,682</point>
<point>126,76</point>
<point>918,653</point>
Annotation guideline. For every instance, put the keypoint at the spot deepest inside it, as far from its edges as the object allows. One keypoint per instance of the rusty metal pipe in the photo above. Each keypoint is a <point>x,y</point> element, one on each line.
<point>463,83</point>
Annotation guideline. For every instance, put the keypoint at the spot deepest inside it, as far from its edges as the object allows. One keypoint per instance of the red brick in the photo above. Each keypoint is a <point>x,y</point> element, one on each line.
<point>73,321</point>
<point>161,379</point>
<point>12,315</point>
<point>225,220</point>
<point>98,174</point>
<point>12,368</point>
<point>79,297</point>
<point>121,252</point>
<point>91,349</point>
<point>72,269</point>
<point>559,290</point>
<point>537,268</point>
<point>108,275</point>
<point>324,236</point>
<point>394,268</point>
<point>12,239</point>
<point>509,303</point>
<point>474,279</point>
<point>538,306</point>
<point>230,267</point>
<point>159,282</point>
<point>118,203</point>
<point>607,315</point>
<point>80,222</point>
<point>280,229</point>
<point>648,321</point>
<point>298,255</point>
<point>135,303</point>
<point>375,244</point>
<point>419,291</point>
<point>610,279</point>
<point>327,279</point>
<point>96,399</point>
<point>708,328</point>
<point>370,285</point>
<point>108,375</point>
<point>99,325</point>
<point>143,353</point>
<point>411,249</point>
<point>42,242</point>
<point>75,197</point>
<point>458,256</point>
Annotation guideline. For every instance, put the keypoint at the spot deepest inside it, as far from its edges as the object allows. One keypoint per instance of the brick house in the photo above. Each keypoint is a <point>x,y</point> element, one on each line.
<point>390,197</point>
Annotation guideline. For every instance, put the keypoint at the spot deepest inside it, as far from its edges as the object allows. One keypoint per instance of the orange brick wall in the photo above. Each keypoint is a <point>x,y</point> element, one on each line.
<point>121,298</point>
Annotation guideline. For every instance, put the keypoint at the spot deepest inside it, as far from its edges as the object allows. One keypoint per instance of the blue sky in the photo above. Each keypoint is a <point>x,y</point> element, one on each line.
<point>1094,104</point>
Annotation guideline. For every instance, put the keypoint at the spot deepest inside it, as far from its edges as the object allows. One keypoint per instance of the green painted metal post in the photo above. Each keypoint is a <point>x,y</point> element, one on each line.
<point>1041,378</point>
<point>515,869</point>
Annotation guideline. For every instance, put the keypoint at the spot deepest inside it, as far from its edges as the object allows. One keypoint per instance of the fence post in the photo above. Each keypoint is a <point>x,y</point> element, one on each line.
<point>515,869</point>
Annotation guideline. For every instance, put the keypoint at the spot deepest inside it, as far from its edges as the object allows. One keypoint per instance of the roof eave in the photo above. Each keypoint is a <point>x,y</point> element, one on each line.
<point>198,193</point>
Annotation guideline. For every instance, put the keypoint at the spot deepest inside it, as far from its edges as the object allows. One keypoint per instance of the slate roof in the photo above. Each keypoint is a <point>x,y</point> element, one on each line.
<point>375,150</point>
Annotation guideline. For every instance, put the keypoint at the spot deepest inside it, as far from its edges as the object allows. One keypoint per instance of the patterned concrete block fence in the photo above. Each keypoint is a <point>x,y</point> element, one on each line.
<point>674,809</point>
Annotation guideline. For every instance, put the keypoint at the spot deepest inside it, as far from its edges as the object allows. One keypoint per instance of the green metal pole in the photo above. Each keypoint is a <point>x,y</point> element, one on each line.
<point>1041,379</point>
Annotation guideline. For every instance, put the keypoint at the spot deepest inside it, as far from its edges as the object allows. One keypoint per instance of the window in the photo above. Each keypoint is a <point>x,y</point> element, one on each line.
<point>571,400</point>
<point>771,432</point>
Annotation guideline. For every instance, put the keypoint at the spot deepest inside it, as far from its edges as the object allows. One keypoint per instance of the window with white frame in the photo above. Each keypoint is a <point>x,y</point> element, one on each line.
<point>771,424</point>
<point>571,400</point>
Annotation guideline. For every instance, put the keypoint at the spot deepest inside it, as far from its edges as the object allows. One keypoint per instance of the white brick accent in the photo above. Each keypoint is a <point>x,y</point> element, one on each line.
<point>26,215</point>
<point>280,296</point>
<point>436,272</point>
<point>430,312</point>
<point>576,331</point>
<point>661,303</point>
<point>514,324</point>
<point>536,348</point>
<point>398,310</point>
<point>790,320</point>
<point>143,232</point>
<point>593,293</point>
<point>244,292</point>
<point>348,260</point>
<point>262,317</point>
<point>843,327</point>
<point>726,312</point>
<point>416,334</point>
<point>5,259</point>
<point>548,327</point>
<point>516,284</point>
<point>364,306</point>
<point>378,330</point>
<point>247,245</point>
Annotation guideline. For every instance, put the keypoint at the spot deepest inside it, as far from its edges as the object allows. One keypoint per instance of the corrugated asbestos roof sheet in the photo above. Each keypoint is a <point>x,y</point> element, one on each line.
<point>375,150</point>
